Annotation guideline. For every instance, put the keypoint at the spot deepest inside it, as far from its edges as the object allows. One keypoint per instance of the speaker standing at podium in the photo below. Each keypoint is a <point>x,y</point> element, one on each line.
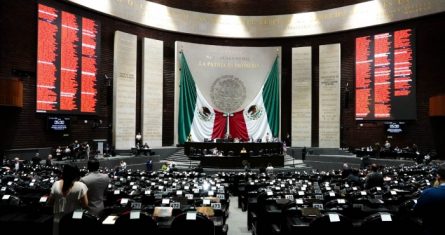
<point>138,140</point>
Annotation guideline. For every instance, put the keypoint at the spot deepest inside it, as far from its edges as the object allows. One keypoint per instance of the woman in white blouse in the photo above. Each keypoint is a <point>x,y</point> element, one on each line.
<point>67,195</point>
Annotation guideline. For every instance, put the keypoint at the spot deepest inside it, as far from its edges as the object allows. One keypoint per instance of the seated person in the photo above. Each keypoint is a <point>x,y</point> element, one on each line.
<point>172,168</point>
<point>374,177</point>
<point>199,168</point>
<point>215,151</point>
<point>349,174</point>
<point>49,160</point>
<point>387,145</point>
<point>431,205</point>
<point>164,167</point>
<point>36,159</point>
<point>146,149</point>
<point>228,138</point>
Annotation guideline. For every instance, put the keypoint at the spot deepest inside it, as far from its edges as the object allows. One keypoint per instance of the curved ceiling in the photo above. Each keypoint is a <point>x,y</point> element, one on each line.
<point>256,7</point>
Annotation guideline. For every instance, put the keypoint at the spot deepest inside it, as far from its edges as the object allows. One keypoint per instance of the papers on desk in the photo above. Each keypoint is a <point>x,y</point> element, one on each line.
<point>136,214</point>
<point>165,201</point>
<point>162,211</point>
<point>191,215</point>
<point>334,217</point>
<point>77,214</point>
<point>43,199</point>
<point>111,219</point>
<point>124,201</point>
<point>386,217</point>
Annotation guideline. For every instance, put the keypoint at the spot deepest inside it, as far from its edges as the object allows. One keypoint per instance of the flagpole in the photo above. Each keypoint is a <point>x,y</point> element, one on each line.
<point>228,115</point>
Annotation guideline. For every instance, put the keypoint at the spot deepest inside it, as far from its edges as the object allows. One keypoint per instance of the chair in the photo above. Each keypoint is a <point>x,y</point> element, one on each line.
<point>126,225</point>
<point>322,224</point>
<point>376,223</point>
<point>88,224</point>
<point>201,226</point>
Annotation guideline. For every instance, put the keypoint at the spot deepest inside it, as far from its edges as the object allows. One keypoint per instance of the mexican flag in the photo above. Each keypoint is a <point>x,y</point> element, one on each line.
<point>262,115</point>
<point>196,116</point>
<point>198,120</point>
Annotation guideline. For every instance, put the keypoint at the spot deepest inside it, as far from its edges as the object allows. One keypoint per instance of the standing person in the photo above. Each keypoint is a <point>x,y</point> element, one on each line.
<point>49,160</point>
<point>17,164</point>
<point>149,165</point>
<point>303,153</point>
<point>269,169</point>
<point>97,183</point>
<point>59,153</point>
<point>67,195</point>
<point>75,149</point>
<point>246,165</point>
<point>138,140</point>
<point>287,140</point>
<point>67,152</point>
<point>431,205</point>
<point>87,150</point>
<point>123,165</point>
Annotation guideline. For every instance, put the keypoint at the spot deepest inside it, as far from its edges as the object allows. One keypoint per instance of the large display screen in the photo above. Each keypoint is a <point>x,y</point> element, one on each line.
<point>67,62</point>
<point>58,124</point>
<point>385,78</point>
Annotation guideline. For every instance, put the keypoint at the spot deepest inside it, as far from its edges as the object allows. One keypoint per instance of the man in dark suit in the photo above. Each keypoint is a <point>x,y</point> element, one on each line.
<point>431,205</point>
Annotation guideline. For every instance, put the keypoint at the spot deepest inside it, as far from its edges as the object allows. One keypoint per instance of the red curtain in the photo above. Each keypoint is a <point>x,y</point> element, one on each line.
<point>219,128</point>
<point>238,128</point>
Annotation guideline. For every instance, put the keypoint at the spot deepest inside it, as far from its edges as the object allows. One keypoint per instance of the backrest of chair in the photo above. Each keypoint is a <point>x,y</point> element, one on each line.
<point>126,224</point>
<point>321,224</point>
<point>380,222</point>
<point>89,224</point>
<point>201,226</point>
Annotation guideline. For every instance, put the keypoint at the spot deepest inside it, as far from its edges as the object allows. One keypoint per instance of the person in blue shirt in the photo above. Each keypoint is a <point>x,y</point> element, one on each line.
<point>431,205</point>
<point>149,165</point>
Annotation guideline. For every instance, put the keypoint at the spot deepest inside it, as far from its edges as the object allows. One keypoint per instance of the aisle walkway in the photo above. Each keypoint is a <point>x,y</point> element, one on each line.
<point>237,220</point>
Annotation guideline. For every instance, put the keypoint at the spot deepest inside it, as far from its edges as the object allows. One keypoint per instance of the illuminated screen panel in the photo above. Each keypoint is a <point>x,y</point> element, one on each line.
<point>385,76</point>
<point>67,62</point>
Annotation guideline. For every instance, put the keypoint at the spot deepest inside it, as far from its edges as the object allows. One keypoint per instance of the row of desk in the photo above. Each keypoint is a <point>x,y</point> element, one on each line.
<point>256,154</point>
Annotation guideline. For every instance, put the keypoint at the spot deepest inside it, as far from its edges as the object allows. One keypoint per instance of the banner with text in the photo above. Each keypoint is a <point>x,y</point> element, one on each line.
<point>329,96</point>
<point>152,91</point>
<point>124,90</point>
<point>301,97</point>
